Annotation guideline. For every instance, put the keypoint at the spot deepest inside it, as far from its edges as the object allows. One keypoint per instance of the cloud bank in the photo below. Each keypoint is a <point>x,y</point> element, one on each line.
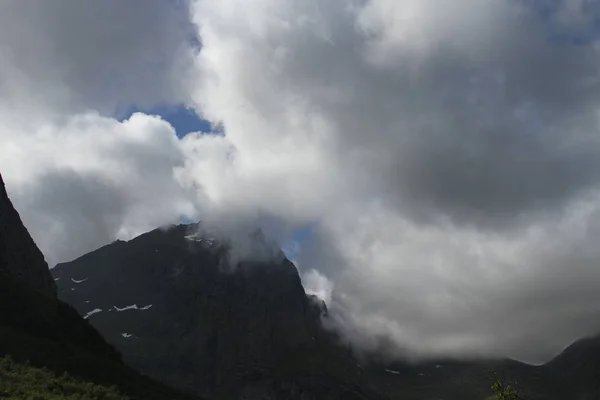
<point>446,157</point>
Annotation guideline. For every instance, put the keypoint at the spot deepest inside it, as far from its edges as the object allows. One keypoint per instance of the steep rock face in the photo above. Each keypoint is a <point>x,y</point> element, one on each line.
<point>38,328</point>
<point>179,311</point>
<point>20,258</point>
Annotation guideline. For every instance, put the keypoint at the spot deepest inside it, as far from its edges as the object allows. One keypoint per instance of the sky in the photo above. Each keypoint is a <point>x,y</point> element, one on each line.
<point>432,170</point>
<point>184,120</point>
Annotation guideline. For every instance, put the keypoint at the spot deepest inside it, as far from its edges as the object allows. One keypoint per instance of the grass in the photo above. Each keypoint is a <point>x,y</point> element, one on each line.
<point>46,338</point>
<point>22,381</point>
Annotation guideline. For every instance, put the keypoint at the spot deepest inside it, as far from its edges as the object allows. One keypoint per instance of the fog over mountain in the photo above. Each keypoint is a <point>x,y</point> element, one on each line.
<point>445,157</point>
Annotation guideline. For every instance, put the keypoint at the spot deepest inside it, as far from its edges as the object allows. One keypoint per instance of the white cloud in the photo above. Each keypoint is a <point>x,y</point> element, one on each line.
<point>76,56</point>
<point>317,284</point>
<point>444,290</point>
<point>441,151</point>
<point>79,177</point>
<point>93,179</point>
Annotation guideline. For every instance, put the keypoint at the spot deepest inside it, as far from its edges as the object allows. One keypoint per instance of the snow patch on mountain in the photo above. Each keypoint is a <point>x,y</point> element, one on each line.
<point>132,307</point>
<point>94,311</point>
<point>197,237</point>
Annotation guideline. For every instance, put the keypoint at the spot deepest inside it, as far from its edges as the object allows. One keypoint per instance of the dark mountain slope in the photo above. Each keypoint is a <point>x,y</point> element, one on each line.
<point>177,309</point>
<point>578,367</point>
<point>574,374</point>
<point>20,258</point>
<point>458,380</point>
<point>36,327</point>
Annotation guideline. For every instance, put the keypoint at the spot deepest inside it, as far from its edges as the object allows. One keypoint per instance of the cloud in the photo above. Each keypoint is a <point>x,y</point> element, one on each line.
<point>364,94</point>
<point>77,56</point>
<point>317,284</point>
<point>446,290</point>
<point>94,179</point>
<point>79,177</point>
<point>446,158</point>
<point>444,152</point>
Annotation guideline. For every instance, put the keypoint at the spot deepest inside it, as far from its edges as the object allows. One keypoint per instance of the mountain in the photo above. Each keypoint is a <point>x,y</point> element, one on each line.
<point>578,368</point>
<point>46,338</point>
<point>20,258</point>
<point>181,310</point>
<point>574,374</point>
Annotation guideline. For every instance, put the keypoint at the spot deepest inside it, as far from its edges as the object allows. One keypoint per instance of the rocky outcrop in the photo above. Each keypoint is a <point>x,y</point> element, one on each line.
<point>20,258</point>
<point>38,328</point>
<point>172,302</point>
<point>176,308</point>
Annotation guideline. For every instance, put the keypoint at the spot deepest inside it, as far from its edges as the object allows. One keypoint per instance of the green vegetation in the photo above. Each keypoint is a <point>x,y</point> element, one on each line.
<point>503,390</point>
<point>25,382</point>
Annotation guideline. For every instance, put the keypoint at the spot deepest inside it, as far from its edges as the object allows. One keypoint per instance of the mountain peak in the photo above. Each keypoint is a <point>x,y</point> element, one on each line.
<point>225,310</point>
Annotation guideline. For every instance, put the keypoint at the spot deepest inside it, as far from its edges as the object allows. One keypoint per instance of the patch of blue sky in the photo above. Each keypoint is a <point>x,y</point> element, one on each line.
<point>303,233</point>
<point>187,220</point>
<point>183,119</point>
<point>297,240</point>
<point>291,250</point>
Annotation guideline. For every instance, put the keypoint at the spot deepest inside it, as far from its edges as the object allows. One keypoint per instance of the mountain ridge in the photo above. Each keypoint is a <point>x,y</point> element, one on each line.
<point>20,259</point>
<point>47,337</point>
<point>228,328</point>
<point>188,271</point>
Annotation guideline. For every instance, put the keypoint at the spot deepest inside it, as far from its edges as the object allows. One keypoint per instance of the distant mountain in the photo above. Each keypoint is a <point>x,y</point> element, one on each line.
<point>574,374</point>
<point>171,301</point>
<point>578,369</point>
<point>37,330</point>
<point>180,310</point>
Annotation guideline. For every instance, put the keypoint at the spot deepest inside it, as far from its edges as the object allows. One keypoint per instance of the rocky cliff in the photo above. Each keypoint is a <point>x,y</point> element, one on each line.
<point>39,329</point>
<point>20,258</point>
<point>172,302</point>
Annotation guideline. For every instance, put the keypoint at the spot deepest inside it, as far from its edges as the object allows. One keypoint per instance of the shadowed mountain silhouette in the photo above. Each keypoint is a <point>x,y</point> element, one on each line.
<point>20,258</point>
<point>172,302</point>
<point>37,328</point>
<point>183,311</point>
